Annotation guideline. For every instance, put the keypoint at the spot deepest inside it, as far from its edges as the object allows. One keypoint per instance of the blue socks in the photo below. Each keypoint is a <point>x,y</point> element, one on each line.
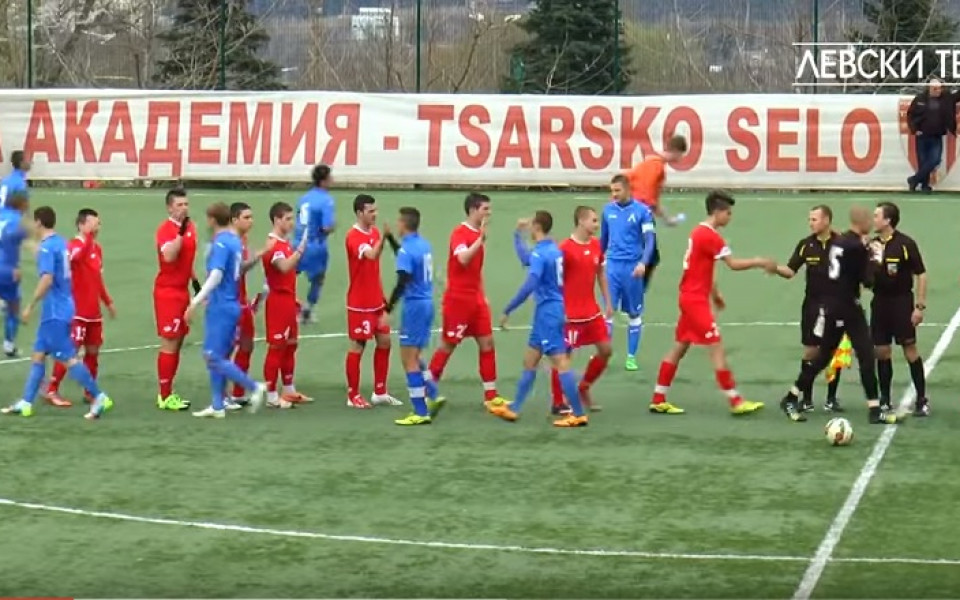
<point>634,332</point>
<point>313,294</point>
<point>431,386</point>
<point>416,388</point>
<point>218,385</point>
<point>569,384</point>
<point>81,374</point>
<point>34,379</point>
<point>11,323</point>
<point>227,370</point>
<point>524,385</point>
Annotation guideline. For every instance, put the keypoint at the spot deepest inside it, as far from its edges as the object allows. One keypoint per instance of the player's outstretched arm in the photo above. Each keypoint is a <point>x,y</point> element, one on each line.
<point>529,284</point>
<point>785,272</point>
<point>521,248</point>
<point>744,264</point>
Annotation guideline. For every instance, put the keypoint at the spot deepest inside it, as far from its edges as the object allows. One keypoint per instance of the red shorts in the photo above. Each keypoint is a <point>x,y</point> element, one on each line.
<point>282,316</point>
<point>245,328</point>
<point>587,333</point>
<point>363,325</point>
<point>696,324</point>
<point>168,308</point>
<point>463,318</point>
<point>87,333</point>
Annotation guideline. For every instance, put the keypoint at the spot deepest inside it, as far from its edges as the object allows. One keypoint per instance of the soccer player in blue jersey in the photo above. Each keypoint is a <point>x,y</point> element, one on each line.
<point>545,282</point>
<point>415,289</point>
<point>16,181</point>
<point>316,219</point>
<point>222,315</point>
<point>628,239</point>
<point>14,229</point>
<point>56,316</point>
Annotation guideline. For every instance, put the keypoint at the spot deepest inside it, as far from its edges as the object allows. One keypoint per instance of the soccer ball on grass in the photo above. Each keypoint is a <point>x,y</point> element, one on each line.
<point>838,431</point>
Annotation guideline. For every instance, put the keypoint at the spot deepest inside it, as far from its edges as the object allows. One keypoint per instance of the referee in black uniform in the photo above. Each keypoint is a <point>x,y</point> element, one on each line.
<point>895,311</point>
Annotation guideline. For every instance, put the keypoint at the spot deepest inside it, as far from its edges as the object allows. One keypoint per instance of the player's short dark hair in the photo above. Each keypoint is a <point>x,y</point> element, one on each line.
<point>826,210</point>
<point>579,212</point>
<point>173,194</point>
<point>46,216</point>
<point>891,212</point>
<point>544,220</point>
<point>279,210</point>
<point>83,214</point>
<point>718,200</point>
<point>362,201</point>
<point>677,143</point>
<point>319,174</point>
<point>220,213</point>
<point>411,218</point>
<point>17,157</point>
<point>18,201</point>
<point>473,201</point>
<point>238,207</point>
<point>620,178</point>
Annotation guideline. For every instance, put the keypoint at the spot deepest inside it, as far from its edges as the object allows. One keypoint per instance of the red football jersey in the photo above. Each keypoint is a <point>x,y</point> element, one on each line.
<point>581,263</point>
<point>365,291</point>
<point>86,273</point>
<point>704,247</point>
<point>464,281</point>
<point>279,282</point>
<point>176,274</point>
<point>242,281</point>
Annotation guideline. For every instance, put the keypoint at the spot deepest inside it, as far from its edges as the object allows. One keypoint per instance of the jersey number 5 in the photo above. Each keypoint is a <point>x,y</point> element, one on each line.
<point>833,271</point>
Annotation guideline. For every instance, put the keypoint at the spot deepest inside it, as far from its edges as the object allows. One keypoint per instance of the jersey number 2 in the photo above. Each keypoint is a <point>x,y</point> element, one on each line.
<point>833,271</point>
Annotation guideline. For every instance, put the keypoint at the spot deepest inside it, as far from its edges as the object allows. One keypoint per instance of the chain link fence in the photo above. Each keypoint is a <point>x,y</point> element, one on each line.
<point>677,46</point>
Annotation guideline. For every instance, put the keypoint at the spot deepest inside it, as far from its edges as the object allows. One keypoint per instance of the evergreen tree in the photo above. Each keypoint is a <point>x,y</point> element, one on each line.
<point>573,48</point>
<point>905,23</point>
<point>193,46</point>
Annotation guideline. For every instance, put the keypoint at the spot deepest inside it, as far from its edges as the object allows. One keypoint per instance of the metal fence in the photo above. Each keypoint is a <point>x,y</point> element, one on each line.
<point>676,46</point>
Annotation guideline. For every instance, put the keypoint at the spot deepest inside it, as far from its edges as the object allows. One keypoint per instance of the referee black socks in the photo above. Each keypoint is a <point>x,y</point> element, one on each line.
<point>918,377</point>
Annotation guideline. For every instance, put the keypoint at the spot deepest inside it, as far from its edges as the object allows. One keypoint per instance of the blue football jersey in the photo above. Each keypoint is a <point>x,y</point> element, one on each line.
<point>11,184</point>
<point>622,227</point>
<point>415,257</point>
<point>53,259</point>
<point>546,265</point>
<point>226,256</point>
<point>315,214</point>
<point>12,235</point>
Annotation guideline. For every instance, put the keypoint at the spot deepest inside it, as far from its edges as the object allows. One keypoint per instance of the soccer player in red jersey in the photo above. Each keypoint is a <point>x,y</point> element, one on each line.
<point>89,291</point>
<point>586,324</point>
<point>282,309</point>
<point>466,311</point>
<point>696,325</point>
<point>176,246</point>
<point>365,304</point>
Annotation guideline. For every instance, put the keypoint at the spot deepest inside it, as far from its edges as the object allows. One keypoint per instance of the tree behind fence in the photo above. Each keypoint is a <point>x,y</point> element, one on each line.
<point>674,46</point>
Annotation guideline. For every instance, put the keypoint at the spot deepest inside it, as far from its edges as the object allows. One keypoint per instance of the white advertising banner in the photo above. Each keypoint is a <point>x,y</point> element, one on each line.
<point>778,141</point>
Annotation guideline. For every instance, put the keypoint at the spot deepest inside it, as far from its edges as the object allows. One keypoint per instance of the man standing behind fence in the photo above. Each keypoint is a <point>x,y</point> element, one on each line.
<point>931,115</point>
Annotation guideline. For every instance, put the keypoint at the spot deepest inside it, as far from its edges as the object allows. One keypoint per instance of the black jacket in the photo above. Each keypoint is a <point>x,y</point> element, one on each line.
<point>933,116</point>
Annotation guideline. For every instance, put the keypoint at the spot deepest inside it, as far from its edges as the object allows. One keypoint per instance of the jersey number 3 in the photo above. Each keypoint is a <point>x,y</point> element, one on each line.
<point>833,271</point>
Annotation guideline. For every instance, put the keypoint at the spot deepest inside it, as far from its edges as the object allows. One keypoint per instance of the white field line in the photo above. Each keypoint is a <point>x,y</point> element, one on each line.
<point>330,336</point>
<point>802,198</point>
<point>362,539</point>
<point>824,553</point>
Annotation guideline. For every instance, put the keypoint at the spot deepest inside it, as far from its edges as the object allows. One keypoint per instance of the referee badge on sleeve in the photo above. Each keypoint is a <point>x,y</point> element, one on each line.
<point>891,269</point>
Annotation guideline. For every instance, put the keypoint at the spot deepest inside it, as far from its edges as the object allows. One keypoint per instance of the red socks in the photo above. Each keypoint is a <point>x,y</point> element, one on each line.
<point>272,365</point>
<point>242,360</point>
<point>92,361</point>
<point>438,363</point>
<point>352,369</point>
<point>488,373</point>
<point>381,366</point>
<point>289,364</point>
<point>556,390</point>
<point>167,365</point>
<point>59,372</point>
<point>664,380</point>
<point>726,383</point>
<point>595,368</point>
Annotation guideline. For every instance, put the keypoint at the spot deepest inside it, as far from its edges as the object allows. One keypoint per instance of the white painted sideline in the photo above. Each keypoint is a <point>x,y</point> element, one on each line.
<point>828,545</point>
<point>329,336</point>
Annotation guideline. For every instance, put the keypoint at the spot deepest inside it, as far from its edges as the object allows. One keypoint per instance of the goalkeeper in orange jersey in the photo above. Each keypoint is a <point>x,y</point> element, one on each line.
<point>647,178</point>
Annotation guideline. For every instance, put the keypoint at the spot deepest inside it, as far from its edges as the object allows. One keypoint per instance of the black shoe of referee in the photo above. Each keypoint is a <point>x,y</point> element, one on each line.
<point>922,408</point>
<point>791,408</point>
<point>806,406</point>
<point>832,405</point>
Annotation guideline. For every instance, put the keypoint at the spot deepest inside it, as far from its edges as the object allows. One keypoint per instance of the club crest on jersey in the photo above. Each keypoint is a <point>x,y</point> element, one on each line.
<point>950,149</point>
<point>892,268</point>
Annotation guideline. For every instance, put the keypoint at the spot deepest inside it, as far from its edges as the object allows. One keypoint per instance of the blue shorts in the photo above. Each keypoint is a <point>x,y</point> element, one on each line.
<point>220,331</point>
<point>547,332</point>
<point>314,260</point>
<point>626,291</point>
<point>10,291</point>
<point>416,323</point>
<point>53,339</point>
